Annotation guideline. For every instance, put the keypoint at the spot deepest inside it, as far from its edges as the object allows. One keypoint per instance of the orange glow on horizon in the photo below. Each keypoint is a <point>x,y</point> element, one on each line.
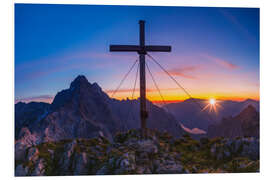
<point>174,96</point>
<point>170,95</point>
<point>176,99</point>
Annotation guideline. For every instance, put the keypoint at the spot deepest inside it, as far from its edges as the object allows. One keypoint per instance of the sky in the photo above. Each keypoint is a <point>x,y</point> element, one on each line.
<point>215,51</point>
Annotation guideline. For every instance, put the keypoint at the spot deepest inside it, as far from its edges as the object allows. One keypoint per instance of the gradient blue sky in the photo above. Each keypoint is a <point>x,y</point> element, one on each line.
<point>215,51</point>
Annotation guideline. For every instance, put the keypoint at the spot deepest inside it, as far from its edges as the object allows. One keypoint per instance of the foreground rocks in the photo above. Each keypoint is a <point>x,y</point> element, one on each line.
<point>227,148</point>
<point>159,153</point>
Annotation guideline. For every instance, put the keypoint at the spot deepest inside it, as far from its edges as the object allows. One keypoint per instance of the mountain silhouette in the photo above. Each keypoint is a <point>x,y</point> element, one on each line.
<point>246,123</point>
<point>192,116</point>
<point>85,111</point>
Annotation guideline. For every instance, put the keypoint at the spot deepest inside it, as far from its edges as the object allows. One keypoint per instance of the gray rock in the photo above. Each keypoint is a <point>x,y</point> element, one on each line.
<point>26,140</point>
<point>147,146</point>
<point>51,152</point>
<point>20,151</point>
<point>21,171</point>
<point>251,149</point>
<point>39,168</point>
<point>81,164</point>
<point>245,147</point>
<point>66,158</point>
<point>102,171</point>
<point>69,148</point>
<point>32,154</point>
<point>170,167</point>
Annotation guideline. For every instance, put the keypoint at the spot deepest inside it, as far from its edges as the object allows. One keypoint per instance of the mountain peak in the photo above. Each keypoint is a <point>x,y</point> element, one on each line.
<point>20,103</point>
<point>248,111</point>
<point>79,80</point>
<point>251,108</point>
<point>249,100</point>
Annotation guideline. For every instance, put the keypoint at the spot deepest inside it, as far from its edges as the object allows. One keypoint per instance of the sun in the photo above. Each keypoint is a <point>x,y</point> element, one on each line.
<point>212,105</point>
<point>212,101</point>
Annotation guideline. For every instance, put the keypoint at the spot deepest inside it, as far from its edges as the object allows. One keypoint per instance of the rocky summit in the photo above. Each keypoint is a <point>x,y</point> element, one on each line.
<point>158,153</point>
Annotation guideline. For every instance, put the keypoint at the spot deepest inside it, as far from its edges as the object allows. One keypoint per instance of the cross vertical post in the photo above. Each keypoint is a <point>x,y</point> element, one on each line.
<point>141,49</point>
<point>142,52</point>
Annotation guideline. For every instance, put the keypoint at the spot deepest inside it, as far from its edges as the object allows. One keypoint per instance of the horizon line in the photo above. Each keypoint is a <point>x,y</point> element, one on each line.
<point>49,99</point>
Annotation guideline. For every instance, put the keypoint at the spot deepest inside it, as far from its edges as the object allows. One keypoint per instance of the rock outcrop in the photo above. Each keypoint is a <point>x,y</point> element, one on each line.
<point>28,115</point>
<point>129,153</point>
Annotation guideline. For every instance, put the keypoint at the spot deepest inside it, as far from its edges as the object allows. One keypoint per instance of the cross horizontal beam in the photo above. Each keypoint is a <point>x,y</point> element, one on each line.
<point>124,48</point>
<point>158,48</point>
<point>132,48</point>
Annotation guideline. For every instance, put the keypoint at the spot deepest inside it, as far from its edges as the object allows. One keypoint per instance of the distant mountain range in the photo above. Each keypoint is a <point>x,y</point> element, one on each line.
<point>247,123</point>
<point>85,111</point>
<point>191,115</point>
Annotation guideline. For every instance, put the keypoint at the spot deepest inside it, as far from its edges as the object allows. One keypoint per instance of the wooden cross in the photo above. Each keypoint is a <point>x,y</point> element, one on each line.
<point>142,51</point>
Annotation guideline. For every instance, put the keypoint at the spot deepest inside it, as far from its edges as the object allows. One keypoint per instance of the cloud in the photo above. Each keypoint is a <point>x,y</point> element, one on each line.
<point>41,98</point>
<point>129,90</point>
<point>221,62</point>
<point>184,71</point>
<point>49,98</point>
<point>120,90</point>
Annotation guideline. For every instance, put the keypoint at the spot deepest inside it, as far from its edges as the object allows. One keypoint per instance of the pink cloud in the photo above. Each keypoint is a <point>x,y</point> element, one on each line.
<point>41,98</point>
<point>184,71</point>
<point>130,90</point>
<point>221,62</point>
<point>137,90</point>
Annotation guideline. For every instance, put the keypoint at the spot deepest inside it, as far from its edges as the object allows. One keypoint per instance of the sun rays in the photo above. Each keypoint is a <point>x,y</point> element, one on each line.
<point>212,106</point>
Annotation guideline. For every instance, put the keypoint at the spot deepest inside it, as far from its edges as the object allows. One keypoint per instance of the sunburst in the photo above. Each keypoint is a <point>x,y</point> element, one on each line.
<point>212,105</point>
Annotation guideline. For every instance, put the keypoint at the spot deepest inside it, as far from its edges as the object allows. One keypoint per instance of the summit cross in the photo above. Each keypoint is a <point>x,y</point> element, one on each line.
<point>142,50</point>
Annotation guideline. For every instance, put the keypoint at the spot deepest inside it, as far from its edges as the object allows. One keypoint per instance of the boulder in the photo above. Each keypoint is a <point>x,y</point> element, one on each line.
<point>26,140</point>
<point>21,171</point>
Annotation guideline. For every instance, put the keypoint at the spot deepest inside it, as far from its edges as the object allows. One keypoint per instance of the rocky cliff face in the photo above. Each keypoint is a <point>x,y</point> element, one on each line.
<point>28,115</point>
<point>159,153</point>
<point>82,111</point>
<point>244,124</point>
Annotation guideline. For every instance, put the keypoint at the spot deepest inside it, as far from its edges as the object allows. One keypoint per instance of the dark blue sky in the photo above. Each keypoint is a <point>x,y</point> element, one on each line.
<point>55,43</point>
